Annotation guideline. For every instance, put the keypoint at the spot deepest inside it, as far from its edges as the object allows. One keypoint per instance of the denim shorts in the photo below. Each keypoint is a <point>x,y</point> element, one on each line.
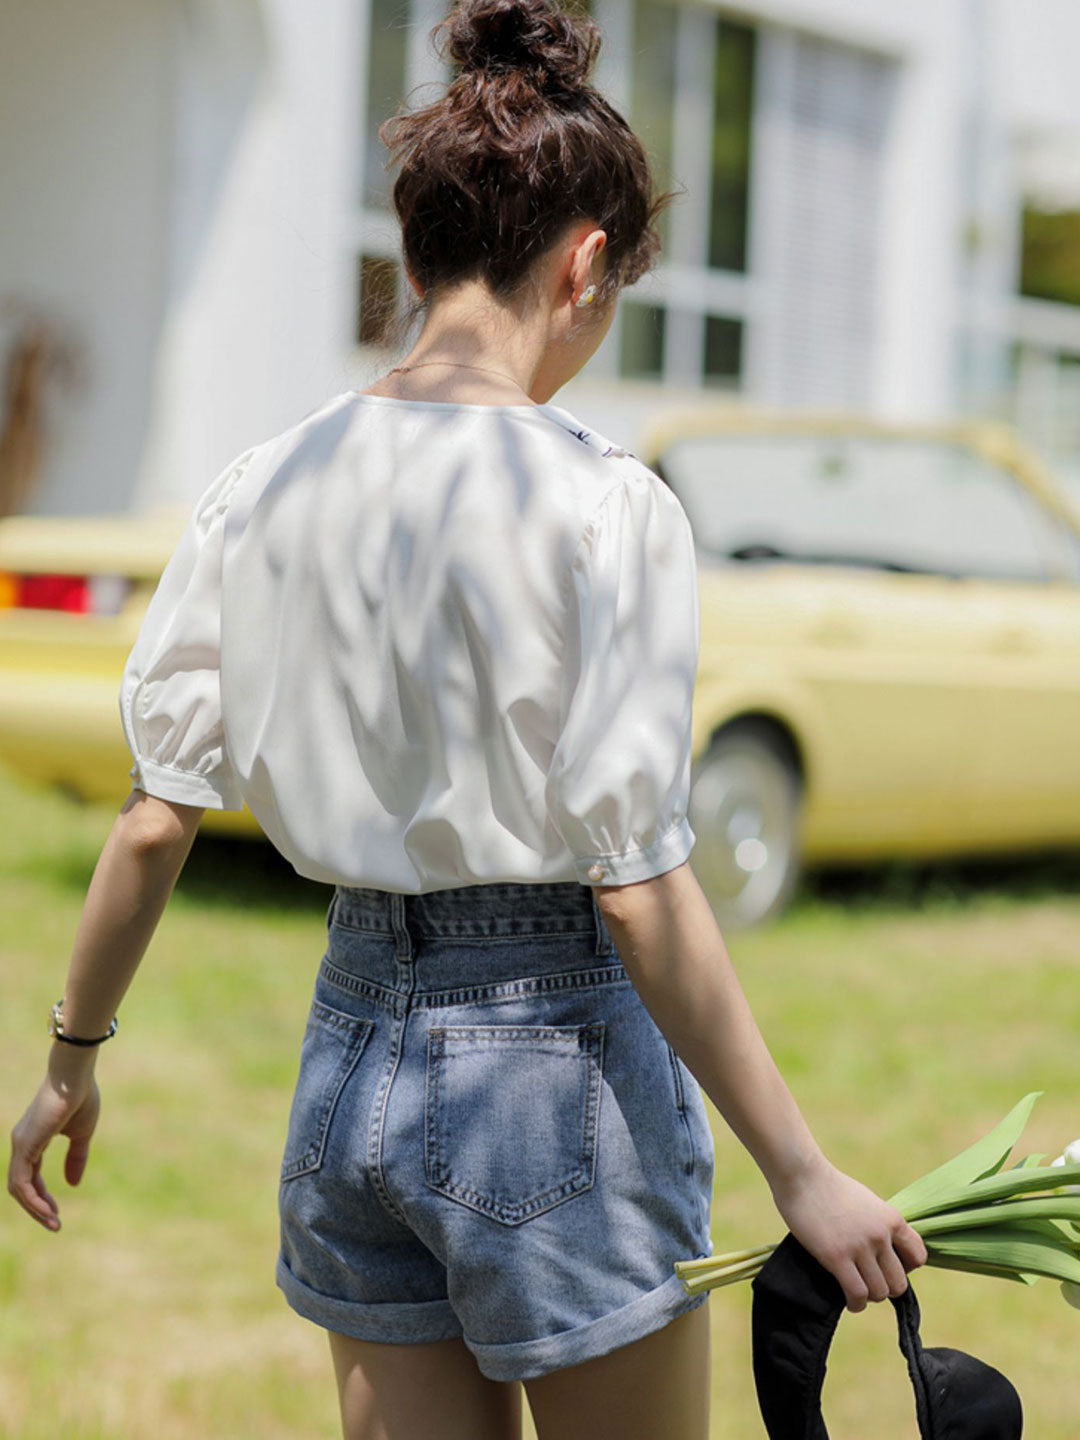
<point>489,1137</point>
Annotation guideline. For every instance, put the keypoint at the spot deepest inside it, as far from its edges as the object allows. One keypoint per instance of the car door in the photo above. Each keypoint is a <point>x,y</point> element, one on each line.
<point>831,577</point>
<point>1022,766</point>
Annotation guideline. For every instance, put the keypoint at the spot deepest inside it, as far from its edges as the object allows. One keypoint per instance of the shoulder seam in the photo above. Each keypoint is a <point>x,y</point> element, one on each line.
<point>589,528</point>
<point>585,434</point>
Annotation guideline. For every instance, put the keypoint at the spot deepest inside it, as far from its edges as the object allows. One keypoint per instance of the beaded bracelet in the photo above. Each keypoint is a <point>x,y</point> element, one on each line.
<point>56,1028</point>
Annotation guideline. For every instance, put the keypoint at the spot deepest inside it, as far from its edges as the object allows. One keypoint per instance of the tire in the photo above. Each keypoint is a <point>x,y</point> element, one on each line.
<point>745,796</point>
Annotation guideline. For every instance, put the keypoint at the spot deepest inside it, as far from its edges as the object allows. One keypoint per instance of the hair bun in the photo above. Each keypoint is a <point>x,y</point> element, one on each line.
<point>503,36</point>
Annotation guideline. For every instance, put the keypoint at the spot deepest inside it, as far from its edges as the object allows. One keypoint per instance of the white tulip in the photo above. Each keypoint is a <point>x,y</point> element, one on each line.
<point>1071,1292</point>
<point>1070,1157</point>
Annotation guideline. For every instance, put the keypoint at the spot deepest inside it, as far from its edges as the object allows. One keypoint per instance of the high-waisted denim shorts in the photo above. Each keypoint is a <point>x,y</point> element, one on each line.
<point>489,1138</point>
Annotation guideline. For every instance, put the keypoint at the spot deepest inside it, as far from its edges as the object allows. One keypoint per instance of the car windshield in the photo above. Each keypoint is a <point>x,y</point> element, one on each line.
<point>865,500</point>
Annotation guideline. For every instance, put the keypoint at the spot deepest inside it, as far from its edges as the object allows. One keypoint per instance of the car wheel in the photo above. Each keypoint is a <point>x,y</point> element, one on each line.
<point>744,811</point>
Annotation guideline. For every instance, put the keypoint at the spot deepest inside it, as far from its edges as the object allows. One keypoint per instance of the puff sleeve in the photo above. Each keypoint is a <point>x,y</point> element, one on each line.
<point>170,692</point>
<point>618,785</point>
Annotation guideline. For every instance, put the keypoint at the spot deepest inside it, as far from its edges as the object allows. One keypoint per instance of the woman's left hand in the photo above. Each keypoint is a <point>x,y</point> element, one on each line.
<point>67,1103</point>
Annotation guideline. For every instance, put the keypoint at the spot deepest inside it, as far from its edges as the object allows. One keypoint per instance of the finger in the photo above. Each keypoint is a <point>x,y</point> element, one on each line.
<point>22,1189</point>
<point>78,1152</point>
<point>38,1182</point>
<point>910,1246</point>
<point>851,1281</point>
<point>893,1272</point>
<point>877,1286</point>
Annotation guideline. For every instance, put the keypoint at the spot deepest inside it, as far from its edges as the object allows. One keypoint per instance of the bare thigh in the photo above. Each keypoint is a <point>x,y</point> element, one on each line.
<point>656,1388</point>
<point>420,1392</point>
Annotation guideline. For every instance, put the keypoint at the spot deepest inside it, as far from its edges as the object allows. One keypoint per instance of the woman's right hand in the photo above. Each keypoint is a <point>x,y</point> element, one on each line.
<point>67,1103</point>
<point>862,1240</point>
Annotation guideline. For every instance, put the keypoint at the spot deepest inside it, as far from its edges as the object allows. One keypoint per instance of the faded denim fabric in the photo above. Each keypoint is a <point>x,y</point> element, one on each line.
<point>489,1135</point>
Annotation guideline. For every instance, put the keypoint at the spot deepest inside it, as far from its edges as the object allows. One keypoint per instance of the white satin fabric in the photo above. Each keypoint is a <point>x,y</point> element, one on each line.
<point>429,644</point>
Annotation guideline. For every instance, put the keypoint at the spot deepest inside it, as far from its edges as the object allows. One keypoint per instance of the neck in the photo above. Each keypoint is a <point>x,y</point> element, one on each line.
<point>468,327</point>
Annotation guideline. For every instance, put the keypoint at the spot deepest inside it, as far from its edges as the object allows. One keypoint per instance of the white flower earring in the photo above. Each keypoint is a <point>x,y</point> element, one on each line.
<point>587,296</point>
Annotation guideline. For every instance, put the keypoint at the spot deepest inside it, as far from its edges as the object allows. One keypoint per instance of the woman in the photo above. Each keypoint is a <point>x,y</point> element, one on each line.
<point>441,638</point>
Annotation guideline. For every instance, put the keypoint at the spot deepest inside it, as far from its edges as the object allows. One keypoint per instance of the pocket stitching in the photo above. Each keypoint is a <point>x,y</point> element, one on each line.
<point>680,1094</point>
<point>358,1032</point>
<point>681,1107</point>
<point>590,1040</point>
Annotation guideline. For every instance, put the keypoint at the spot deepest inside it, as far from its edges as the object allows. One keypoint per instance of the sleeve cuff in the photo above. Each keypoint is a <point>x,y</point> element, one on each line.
<point>184,787</point>
<point>665,853</point>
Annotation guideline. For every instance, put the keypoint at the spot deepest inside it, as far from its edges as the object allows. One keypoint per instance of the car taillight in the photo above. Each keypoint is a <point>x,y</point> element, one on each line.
<point>53,592</point>
<point>77,594</point>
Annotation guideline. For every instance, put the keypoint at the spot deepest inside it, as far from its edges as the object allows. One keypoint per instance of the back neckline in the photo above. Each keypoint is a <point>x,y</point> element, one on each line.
<point>446,404</point>
<point>554,414</point>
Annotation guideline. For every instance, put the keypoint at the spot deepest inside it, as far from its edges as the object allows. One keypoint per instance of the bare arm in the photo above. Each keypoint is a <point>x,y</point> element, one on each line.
<point>132,881</point>
<point>668,940</point>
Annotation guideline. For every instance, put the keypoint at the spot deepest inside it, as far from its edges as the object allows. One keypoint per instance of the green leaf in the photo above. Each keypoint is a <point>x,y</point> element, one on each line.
<point>983,1158</point>
<point>1009,1248</point>
<point>974,1267</point>
<point>1048,1207</point>
<point>1005,1186</point>
<point>1029,1162</point>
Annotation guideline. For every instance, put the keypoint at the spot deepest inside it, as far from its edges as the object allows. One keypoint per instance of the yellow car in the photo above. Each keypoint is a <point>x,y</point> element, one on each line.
<point>73,592</point>
<point>890,645</point>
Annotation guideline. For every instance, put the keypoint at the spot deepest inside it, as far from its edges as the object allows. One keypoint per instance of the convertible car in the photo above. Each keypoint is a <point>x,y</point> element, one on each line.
<point>890,646</point>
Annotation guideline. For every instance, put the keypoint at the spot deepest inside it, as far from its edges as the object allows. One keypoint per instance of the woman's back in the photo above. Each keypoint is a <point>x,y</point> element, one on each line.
<point>424,613</point>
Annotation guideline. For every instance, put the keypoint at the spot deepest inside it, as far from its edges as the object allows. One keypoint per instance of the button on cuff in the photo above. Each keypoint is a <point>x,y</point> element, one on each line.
<point>668,850</point>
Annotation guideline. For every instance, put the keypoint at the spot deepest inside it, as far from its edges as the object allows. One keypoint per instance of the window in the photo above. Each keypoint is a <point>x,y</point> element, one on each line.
<point>1050,255</point>
<point>388,42</point>
<point>819,234</point>
<point>729,191</point>
<point>723,350</point>
<point>652,89</point>
<point>642,340</point>
<point>899,504</point>
<point>691,97</point>
<point>378,299</point>
<point>1027,369</point>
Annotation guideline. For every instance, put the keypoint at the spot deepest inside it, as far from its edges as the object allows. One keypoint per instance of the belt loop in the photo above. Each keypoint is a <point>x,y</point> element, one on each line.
<point>330,908</point>
<point>604,943</point>
<point>401,930</point>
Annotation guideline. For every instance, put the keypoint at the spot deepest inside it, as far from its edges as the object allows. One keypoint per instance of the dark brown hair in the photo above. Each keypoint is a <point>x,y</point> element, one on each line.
<point>520,146</point>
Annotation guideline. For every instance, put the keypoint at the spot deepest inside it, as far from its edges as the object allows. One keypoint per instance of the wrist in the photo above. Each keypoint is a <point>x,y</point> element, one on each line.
<point>70,1068</point>
<point>68,1033</point>
<point>800,1167</point>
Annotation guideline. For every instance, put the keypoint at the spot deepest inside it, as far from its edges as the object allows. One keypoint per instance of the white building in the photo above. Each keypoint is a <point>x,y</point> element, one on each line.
<point>193,193</point>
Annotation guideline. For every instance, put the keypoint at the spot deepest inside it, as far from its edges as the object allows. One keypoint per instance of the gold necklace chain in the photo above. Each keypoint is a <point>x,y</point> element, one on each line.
<point>458,365</point>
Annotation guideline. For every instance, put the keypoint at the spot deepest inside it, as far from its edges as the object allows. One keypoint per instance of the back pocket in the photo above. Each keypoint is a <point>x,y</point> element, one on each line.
<point>333,1043</point>
<point>512,1115</point>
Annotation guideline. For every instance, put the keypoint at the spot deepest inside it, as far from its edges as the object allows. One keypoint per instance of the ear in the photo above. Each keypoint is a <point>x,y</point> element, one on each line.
<point>585,268</point>
<point>416,286</point>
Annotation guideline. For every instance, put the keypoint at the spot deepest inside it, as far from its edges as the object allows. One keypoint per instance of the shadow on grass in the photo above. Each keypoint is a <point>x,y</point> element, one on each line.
<point>222,872</point>
<point>941,884</point>
<point>229,872</point>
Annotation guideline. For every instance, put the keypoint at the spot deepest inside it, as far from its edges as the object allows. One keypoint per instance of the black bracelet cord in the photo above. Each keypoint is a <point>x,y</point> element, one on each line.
<point>56,1029</point>
<point>78,1040</point>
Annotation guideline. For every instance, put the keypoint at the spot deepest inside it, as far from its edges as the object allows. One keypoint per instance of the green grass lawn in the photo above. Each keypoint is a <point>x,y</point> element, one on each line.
<point>909,1011</point>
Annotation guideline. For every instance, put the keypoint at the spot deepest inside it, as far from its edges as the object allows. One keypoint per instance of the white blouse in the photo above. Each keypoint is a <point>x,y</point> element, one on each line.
<point>429,644</point>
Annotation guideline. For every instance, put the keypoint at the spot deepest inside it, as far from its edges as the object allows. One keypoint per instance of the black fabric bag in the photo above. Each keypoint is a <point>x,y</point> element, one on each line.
<point>796,1309</point>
